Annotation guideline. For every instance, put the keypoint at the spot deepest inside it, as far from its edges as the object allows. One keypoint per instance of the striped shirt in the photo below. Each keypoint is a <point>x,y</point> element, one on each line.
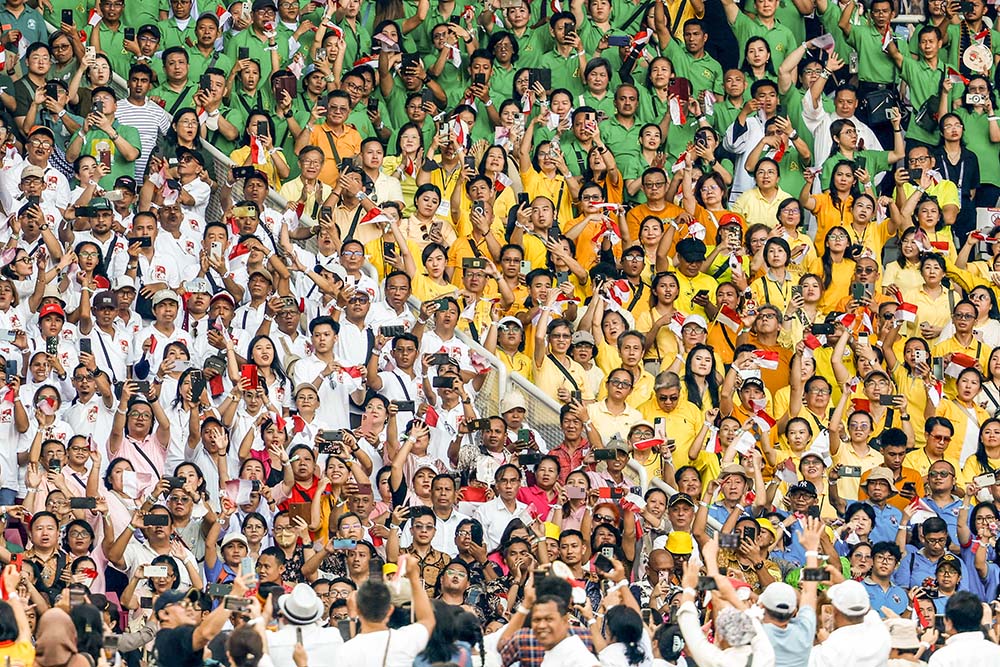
<point>151,121</point>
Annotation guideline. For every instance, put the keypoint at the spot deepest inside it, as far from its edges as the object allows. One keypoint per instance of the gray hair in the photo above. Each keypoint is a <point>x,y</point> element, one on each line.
<point>735,627</point>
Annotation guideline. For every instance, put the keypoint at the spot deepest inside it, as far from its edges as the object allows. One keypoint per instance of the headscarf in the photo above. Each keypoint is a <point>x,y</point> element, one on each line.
<point>56,643</point>
<point>732,625</point>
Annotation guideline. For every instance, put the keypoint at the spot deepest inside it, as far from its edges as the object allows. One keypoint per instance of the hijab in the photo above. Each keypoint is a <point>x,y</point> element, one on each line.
<point>56,640</point>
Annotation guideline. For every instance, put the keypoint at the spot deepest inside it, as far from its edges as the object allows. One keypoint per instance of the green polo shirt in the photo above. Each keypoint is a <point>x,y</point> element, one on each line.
<point>792,101</point>
<point>787,14</point>
<point>620,139</point>
<point>566,71</point>
<point>779,38</point>
<point>357,42</point>
<point>955,44</point>
<point>924,82</point>
<point>874,65</point>
<point>502,85</point>
<point>531,45</point>
<point>651,108</point>
<point>174,100</point>
<point>704,73</point>
<point>575,154</point>
<point>97,139</point>
<point>81,10</point>
<point>113,46</point>
<point>224,145</point>
<point>30,23</point>
<point>172,35</point>
<point>241,104</point>
<point>605,104</point>
<point>198,63</point>
<point>875,163</point>
<point>723,115</point>
<point>138,13</point>
<point>258,50</point>
<point>454,80</point>
<point>977,140</point>
<point>831,20</point>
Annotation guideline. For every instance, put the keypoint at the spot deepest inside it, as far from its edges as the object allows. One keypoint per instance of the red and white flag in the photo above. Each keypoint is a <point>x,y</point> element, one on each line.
<point>941,246</point>
<point>238,251</point>
<point>609,230</point>
<point>811,341</point>
<point>455,55</point>
<point>729,318</point>
<point>375,216</point>
<point>335,29</point>
<point>619,291</point>
<point>786,472</point>
<point>765,421</point>
<point>766,359</point>
<point>257,153</point>
<point>956,77</point>
<point>861,405</point>
<point>677,322</point>
<point>919,511</point>
<point>935,393</point>
<point>677,114</point>
<point>679,164</point>
<point>958,363</point>
<point>643,445</point>
<point>431,416</point>
<point>502,182</point>
<point>824,42</point>
<point>887,39</point>
<point>93,18</point>
<point>370,61</point>
<point>906,312</point>
<point>641,39</point>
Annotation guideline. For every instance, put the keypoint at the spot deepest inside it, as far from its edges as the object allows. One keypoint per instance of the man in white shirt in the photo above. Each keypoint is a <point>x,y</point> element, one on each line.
<point>302,615</point>
<point>375,644</point>
<point>818,120</point>
<point>860,638</point>
<point>550,623</point>
<point>497,513</point>
<point>963,620</point>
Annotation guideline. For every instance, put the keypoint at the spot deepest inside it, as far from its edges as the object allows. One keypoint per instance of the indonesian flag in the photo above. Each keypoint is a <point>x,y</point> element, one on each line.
<point>298,424</point>
<point>609,230</point>
<point>935,393</point>
<point>641,39</point>
<point>502,182</point>
<point>824,42</point>
<point>460,130</point>
<point>779,152</point>
<point>257,153</point>
<point>821,447</point>
<point>410,167</point>
<point>886,39</point>
<point>745,443</point>
<point>679,163</point>
<point>619,291</point>
<point>786,472</point>
<point>940,245</point>
<point>8,396</point>
<point>979,236</point>
<point>811,341</point>
<point>729,318</point>
<point>375,216</point>
<point>555,6</point>
<point>763,420</point>
<point>169,194</point>
<point>956,77</point>
<point>958,363</point>
<point>906,312</point>
<point>677,322</point>
<point>643,445</point>
<point>93,18</point>
<point>353,371</point>
<point>919,511</point>
<point>935,176</point>
<point>677,114</point>
<point>697,230</point>
<point>861,405</point>
<point>335,29</point>
<point>455,55</point>
<point>766,359</point>
<point>369,61</point>
<point>708,103</point>
<point>238,251</point>
<point>431,416</point>
<point>223,15</point>
<point>562,301</point>
<point>468,13</point>
<point>480,364</point>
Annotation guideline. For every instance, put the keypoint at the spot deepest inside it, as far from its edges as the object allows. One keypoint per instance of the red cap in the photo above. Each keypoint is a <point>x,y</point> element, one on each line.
<point>49,309</point>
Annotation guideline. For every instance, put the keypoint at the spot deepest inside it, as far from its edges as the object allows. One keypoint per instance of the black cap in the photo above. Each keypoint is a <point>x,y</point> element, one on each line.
<point>264,4</point>
<point>126,183</point>
<point>150,29</point>
<point>198,157</point>
<point>803,486</point>
<point>680,498</point>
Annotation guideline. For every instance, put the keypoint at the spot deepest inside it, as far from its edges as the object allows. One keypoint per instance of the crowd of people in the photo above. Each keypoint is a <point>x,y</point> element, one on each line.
<point>751,253</point>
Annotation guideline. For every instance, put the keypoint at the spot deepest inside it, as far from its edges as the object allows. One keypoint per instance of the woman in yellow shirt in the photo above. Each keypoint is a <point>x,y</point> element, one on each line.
<point>405,163</point>
<point>706,201</point>
<point>904,272</point>
<point>775,286</point>
<point>15,643</point>
<point>545,173</point>
<point>831,207</point>
<point>425,225</point>
<point>432,283</point>
<point>274,165</point>
<point>964,415</point>
<point>834,267</point>
<point>802,247</point>
<point>661,342</point>
<point>987,456</point>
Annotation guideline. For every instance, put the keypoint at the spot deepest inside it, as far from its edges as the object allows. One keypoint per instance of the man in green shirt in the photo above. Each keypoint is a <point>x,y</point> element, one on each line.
<point>204,55</point>
<point>923,78</point>
<point>259,42</point>
<point>568,59</point>
<point>691,61</point>
<point>109,35</point>
<point>779,38</point>
<point>105,139</point>
<point>622,129</point>
<point>874,65</point>
<point>178,30</point>
<point>175,92</point>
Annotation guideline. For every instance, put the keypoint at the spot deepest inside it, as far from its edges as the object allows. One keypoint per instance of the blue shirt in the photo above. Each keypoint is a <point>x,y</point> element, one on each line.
<point>949,514</point>
<point>887,522</point>
<point>720,512</point>
<point>986,588</point>
<point>915,567</point>
<point>893,598</point>
<point>793,642</point>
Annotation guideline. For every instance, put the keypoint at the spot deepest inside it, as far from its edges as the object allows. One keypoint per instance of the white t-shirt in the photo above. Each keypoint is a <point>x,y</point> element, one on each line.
<point>367,650</point>
<point>321,644</point>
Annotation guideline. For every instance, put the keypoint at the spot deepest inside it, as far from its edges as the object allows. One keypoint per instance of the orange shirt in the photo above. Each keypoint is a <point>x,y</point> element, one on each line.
<point>336,148</point>
<point>638,213</point>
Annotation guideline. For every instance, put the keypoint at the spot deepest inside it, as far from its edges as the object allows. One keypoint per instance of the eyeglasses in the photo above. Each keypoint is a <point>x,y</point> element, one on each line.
<point>655,184</point>
<point>963,316</point>
<point>820,392</point>
<point>83,377</point>
<point>178,499</point>
<point>461,574</point>
<point>940,438</point>
<point>38,143</point>
<point>621,384</point>
<point>79,448</point>
<point>837,237</point>
<point>604,518</point>
<point>353,253</point>
<point>885,558</point>
<point>919,159</point>
<point>936,540</point>
<point>560,336</point>
<point>463,533</point>
<point>284,529</point>
<point>938,473</point>
<point>78,533</point>
<point>668,399</point>
<point>137,414</point>
<point>865,270</point>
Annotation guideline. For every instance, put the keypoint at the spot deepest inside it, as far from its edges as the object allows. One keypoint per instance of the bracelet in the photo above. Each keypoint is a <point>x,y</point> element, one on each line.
<point>116,137</point>
<point>521,609</point>
<point>992,118</point>
<point>591,621</point>
<point>703,503</point>
<point>924,645</point>
<point>121,412</point>
<point>690,591</point>
<point>814,554</point>
<point>825,74</point>
<point>902,526</point>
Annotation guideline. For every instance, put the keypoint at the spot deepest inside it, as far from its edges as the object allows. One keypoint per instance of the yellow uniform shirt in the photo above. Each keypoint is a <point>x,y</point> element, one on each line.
<point>691,286</point>
<point>966,420</point>
<point>516,363</point>
<point>550,379</point>
<point>608,424</point>
<point>977,350</point>
<point>849,486</point>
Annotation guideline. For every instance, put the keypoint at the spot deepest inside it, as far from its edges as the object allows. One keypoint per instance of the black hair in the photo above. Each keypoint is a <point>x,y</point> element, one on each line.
<point>965,611</point>
<point>625,626</point>
<point>89,623</point>
<point>373,601</point>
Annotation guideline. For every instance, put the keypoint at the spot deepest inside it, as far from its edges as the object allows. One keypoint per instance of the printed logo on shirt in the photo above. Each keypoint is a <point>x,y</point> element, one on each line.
<point>7,416</point>
<point>52,183</point>
<point>92,414</point>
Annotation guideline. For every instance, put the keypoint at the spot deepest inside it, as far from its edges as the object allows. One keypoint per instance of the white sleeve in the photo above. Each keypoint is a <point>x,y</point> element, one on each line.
<point>705,653</point>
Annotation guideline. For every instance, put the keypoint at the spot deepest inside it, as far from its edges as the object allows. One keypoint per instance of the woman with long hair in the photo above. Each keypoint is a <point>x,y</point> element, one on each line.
<point>934,300</point>
<point>844,133</point>
<point>774,286</point>
<point>987,456</point>
<point>654,320</point>
<point>648,155</point>
<point>961,166</point>
<point>989,393</point>
<point>757,63</point>
<point>835,267</point>
<point>700,383</point>
<point>904,271</point>
<point>274,166</point>
<point>261,352</point>
<point>404,163</point>
<point>832,206</point>
<point>56,643</point>
<point>977,530</point>
<point>925,214</point>
<point>965,416</point>
<point>433,280</point>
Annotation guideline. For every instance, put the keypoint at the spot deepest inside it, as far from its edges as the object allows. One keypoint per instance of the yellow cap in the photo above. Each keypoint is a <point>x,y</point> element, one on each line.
<point>680,542</point>
<point>389,568</point>
<point>552,531</point>
<point>768,526</point>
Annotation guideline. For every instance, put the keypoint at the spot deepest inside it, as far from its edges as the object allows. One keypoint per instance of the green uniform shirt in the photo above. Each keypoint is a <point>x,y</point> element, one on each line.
<point>357,42</point>
<point>874,65</point>
<point>241,104</point>
<point>831,20</point>
<point>172,35</point>
<point>956,43</point>
<point>198,63</point>
<point>502,85</point>
<point>792,101</point>
<point>779,38</point>
<point>723,115</point>
<point>622,140</point>
<point>174,100</point>
<point>138,14</point>
<point>875,163</point>
<point>258,50</point>
<point>531,45</point>
<point>651,108</point>
<point>605,104</point>
<point>81,11</point>
<point>98,141</point>
<point>575,154</point>
<point>977,140</point>
<point>566,71</point>
<point>704,73</point>
<point>30,23</point>
<point>113,46</point>
<point>924,82</point>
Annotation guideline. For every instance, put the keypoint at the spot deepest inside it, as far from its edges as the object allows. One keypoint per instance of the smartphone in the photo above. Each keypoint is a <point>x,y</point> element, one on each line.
<point>909,486</point>
<point>529,459</point>
<point>10,368</point>
<point>477,424</point>
<point>404,406</point>
<point>98,106</point>
<point>542,76</point>
<point>146,603</point>
<point>142,387</point>
<point>262,128</point>
<point>815,574</point>
<point>143,241</point>
<point>110,642</point>
<point>707,584</point>
<point>52,345</point>
<point>198,384</point>
<point>86,346</point>
<point>52,91</point>
<point>850,471</point>
<point>82,503</point>
<point>619,41</point>
<point>129,34</point>
<point>349,545</point>
<point>680,87</point>
<point>604,454</point>
<point>603,563</point>
<point>443,382</point>
<point>860,162</point>
<point>155,519</point>
<point>364,489</point>
<point>749,533</point>
<point>247,566</point>
<point>388,249</point>
<point>55,465</point>
<point>796,290</point>
<point>372,104</point>
<point>219,590</point>
<point>479,206</point>
<point>473,263</point>
<point>985,480</point>
<point>231,603</point>
<point>608,552</point>
<point>325,212</point>
<point>155,571</point>
<point>90,52</point>
<point>822,329</point>
<point>392,331</point>
<point>525,267</point>
<point>67,16</point>
<point>937,368</point>
<point>242,172</point>
<point>174,482</point>
<point>205,83</point>
<point>332,435</point>
<point>249,372</point>
<point>813,511</point>
<point>562,277</point>
<point>888,399</point>
<point>243,52</point>
<point>915,175</point>
<point>858,291</point>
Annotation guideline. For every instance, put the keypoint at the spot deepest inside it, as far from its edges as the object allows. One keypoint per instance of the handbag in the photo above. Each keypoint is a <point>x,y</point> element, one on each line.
<point>878,102</point>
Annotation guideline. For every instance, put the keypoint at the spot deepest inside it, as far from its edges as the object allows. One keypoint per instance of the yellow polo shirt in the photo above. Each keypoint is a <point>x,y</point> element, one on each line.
<point>977,350</point>
<point>608,424</point>
<point>959,417</point>
<point>549,378</point>
<point>849,486</point>
<point>933,310</point>
<point>691,286</point>
<point>755,208</point>
<point>642,389</point>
